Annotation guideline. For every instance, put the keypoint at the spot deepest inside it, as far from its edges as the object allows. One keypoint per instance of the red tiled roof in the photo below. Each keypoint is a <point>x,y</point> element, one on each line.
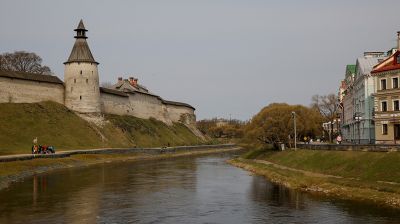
<point>388,64</point>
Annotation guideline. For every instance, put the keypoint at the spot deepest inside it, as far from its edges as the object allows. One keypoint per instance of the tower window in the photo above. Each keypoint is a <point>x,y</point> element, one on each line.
<point>74,80</point>
<point>87,80</point>
<point>81,72</point>
<point>80,97</point>
<point>92,72</point>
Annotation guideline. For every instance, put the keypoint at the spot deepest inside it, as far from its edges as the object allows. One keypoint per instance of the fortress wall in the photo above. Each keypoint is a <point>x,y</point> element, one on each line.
<point>146,106</point>
<point>182,114</point>
<point>27,91</point>
<point>114,104</point>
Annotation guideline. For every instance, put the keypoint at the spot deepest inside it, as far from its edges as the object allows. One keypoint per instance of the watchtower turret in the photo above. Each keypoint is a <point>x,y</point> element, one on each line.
<point>81,76</point>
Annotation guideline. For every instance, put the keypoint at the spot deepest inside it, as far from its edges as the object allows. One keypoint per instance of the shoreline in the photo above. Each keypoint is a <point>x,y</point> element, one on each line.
<point>14,171</point>
<point>319,184</point>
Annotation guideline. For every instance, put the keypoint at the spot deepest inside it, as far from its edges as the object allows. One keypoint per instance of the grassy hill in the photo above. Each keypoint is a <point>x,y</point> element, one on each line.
<point>366,166</point>
<point>56,125</point>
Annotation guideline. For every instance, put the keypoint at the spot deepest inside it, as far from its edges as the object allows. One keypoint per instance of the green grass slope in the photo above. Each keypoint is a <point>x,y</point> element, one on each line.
<point>367,166</point>
<point>56,125</point>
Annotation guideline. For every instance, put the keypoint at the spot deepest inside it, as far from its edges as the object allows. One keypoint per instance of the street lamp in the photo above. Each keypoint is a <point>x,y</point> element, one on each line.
<point>295,134</point>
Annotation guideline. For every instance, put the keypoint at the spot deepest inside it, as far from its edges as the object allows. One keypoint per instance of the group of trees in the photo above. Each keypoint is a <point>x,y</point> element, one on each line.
<point>23,61</point>
<point>221,128</point>
<point>274,124</point>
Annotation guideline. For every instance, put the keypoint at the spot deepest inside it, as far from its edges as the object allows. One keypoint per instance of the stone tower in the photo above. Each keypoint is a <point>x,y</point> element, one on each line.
<point>81,76</point>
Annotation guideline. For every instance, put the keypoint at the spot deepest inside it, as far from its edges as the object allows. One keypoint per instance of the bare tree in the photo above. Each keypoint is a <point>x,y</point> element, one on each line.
<point>328,107</point>
<point>23,61</point>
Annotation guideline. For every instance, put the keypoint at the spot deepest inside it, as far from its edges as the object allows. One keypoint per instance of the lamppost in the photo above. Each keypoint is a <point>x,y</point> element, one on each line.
<point>358,118</point>
<point>295,134</point>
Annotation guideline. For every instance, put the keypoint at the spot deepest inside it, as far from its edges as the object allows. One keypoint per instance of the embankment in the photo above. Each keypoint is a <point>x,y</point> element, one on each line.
<point>367,176</point>
<point>12,171</point>
<point>56,125</point>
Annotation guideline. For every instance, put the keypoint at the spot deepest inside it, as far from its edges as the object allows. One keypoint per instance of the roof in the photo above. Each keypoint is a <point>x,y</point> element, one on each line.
<point>177,103</point>
<point>81,26</point>
<point>350,69</point>
<point>81,51</point>
<point>388,64</point>
<point>112,91</point>
<point>366,64</point>
<point>31,77</point>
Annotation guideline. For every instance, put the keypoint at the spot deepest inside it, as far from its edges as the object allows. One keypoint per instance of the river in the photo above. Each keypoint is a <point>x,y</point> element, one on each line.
<point>185,190</point>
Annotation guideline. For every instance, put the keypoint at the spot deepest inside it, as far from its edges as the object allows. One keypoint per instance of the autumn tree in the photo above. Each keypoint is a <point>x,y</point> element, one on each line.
<point>22,61</point>
<point>328,107</point>
<point>274,124</point>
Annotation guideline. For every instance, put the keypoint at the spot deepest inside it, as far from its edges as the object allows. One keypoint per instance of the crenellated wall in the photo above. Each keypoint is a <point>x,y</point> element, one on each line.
<point>27,91</point>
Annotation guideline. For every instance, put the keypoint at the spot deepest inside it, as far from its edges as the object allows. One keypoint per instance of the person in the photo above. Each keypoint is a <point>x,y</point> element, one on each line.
<point>339,139</point>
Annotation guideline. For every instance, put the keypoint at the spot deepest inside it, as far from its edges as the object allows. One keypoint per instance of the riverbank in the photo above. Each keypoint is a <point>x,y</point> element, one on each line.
<point>366,176</point>
<point>18,170</point>
<point>56,125</point>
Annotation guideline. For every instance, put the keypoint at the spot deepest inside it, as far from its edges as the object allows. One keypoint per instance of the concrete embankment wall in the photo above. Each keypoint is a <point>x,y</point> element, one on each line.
<point>152,151</point>
<point>348,147</point>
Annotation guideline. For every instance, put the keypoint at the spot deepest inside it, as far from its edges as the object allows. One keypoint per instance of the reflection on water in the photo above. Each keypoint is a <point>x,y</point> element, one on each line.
<point>190,190</point>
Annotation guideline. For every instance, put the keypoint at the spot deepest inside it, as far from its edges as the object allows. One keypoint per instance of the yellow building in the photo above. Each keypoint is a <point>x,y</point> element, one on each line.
<point>387,98</point>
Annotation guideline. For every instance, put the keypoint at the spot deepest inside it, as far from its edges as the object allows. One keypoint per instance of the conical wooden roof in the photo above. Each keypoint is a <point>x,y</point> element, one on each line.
<point>81,51</point>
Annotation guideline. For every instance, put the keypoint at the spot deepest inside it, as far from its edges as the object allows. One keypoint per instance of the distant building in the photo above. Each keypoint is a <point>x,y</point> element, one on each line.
<point>387,98</point>
<point>358,102</point>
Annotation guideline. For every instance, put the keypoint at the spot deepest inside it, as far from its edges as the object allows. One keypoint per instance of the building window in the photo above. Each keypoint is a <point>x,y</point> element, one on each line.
<point>384,129</point>
<point>396,106</point>
<point>87,80</point>
<point>80,97</point>
<point>383,84</point>
<point>398,59</point>
<point>384,106</point>
<point>395,83</point>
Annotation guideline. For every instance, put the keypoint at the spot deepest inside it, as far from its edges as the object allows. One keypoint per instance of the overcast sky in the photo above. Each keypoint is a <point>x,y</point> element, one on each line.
<point>221,56</point>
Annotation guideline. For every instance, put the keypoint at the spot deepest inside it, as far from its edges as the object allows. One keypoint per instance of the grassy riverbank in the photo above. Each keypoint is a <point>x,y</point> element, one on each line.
<point>14,171</point>
<point>370,176</point>
<point>54,124</point>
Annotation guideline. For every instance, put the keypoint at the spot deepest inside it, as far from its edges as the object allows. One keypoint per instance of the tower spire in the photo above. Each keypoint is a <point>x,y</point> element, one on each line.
<point>81,51</point>
<point>81,30</point>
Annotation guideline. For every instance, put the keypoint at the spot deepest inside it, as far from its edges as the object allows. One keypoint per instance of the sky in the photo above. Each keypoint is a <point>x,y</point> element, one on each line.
<point>227,58</point>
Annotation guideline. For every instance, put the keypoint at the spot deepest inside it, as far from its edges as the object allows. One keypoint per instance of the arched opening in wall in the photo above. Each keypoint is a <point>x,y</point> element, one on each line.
<point>80,97</point>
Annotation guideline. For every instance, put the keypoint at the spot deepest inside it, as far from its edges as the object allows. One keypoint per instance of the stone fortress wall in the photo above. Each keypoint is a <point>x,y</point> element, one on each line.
<point>18,87</point>
<point>143,105</point>
<point>16,90</point>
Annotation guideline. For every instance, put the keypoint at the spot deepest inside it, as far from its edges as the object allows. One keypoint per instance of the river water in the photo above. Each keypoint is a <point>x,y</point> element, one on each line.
<point>186,190</point>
